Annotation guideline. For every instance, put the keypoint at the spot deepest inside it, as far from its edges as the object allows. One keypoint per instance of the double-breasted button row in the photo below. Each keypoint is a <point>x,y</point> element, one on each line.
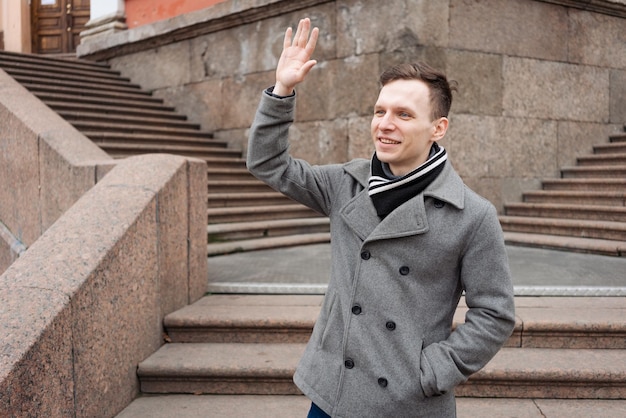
<point>366,255</point>
<point>349,364</point>
<point>357,310</point>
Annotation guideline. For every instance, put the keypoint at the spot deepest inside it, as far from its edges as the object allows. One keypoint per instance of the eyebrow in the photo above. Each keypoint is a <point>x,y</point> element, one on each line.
<point>395,108</point>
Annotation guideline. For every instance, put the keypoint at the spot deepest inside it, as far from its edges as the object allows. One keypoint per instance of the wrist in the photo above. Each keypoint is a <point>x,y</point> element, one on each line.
<point>282,90</point>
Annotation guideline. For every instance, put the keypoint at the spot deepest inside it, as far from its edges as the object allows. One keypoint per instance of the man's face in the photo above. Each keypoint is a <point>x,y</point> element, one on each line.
<point>402,129</point>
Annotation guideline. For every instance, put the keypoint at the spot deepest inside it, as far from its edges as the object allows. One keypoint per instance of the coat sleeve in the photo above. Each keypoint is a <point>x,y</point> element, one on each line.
<point>268,157</point>
<point>490,319</point>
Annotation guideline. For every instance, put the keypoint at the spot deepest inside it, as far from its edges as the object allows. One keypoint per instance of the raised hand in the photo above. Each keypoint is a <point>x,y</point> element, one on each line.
<point>295,61</point>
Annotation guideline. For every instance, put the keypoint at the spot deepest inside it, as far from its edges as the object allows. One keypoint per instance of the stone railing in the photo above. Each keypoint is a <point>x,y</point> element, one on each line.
<point>108,256</point>
<point>85,303</point>
<point>45,166</point>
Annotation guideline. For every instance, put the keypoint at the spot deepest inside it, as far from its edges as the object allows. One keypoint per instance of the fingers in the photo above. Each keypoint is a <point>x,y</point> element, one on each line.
<point>301,38</point>
<point>302,32</point>
<point>287,40</point>
<point>312,42</point>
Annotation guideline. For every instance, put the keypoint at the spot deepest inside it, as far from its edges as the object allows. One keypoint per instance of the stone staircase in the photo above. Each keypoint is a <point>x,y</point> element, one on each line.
<point>243,345</point>
<point>234,355</point>
<point>583,211</point>
<point>243,213</point>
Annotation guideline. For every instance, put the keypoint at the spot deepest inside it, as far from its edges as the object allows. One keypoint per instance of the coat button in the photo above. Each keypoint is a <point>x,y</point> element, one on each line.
<point>404,270</point>
<point>349,363</point>
<point>439,204</point>
<point>365,255</point>
<point>390,325</point>
<point>382,382</point>
<point>356,309</point>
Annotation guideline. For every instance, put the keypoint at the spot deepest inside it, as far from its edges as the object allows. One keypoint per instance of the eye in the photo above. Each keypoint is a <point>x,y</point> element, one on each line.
<point>404,115</point>
<point>379,112</point>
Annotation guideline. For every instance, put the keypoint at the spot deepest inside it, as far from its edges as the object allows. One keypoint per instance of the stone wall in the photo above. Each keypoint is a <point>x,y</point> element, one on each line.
<point>540,81</point>
<point>85,304</point>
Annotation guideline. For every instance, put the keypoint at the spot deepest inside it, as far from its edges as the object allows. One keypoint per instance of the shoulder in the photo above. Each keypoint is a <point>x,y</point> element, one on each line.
<point>477,202</point>
<point>358,168</point>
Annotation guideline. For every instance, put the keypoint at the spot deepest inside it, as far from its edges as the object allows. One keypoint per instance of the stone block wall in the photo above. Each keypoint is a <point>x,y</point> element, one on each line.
<point>540,82</point>
<point>84,305</point>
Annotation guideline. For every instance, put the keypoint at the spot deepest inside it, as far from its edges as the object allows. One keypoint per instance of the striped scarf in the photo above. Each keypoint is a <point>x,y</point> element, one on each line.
<point>388,192</point>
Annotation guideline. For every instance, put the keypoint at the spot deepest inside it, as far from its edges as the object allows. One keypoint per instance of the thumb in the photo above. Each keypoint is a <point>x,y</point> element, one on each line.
<point>307,67</point>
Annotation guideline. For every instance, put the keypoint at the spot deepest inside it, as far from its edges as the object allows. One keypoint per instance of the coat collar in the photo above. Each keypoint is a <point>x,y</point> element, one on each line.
<point>409,218</point>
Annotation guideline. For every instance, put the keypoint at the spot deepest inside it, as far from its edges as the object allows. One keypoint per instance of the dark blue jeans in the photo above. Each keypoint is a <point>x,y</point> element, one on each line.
<point>316,412</point>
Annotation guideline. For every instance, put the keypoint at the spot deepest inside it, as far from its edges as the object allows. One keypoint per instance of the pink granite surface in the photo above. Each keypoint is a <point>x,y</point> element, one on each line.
<point>85,303</point>
<point>45,165</point>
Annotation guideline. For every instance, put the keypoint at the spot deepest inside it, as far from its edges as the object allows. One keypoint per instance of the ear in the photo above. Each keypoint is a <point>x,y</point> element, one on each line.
<point>440,126</point>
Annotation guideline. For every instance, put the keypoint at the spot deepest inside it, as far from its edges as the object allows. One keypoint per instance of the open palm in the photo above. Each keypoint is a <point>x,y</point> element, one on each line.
<point>295,61</point>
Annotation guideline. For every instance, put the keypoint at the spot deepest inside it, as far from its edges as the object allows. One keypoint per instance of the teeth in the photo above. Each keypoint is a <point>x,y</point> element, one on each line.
<point>388,141</point>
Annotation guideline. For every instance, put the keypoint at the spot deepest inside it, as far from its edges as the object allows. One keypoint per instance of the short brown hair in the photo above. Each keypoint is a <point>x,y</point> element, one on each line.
<point>438,85</point>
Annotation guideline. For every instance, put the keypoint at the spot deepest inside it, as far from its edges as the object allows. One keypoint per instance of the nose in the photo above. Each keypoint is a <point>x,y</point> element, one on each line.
<point>386,123</point>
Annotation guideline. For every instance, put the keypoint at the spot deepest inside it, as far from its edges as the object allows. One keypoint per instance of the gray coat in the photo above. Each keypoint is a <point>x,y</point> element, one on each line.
<point>382,345</point>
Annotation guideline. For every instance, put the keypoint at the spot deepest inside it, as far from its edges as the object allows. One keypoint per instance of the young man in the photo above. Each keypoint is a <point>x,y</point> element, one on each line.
<point>407,238</point>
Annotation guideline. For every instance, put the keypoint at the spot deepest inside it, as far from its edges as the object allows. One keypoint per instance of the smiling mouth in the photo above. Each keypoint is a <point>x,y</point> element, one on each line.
<point>388,141</point>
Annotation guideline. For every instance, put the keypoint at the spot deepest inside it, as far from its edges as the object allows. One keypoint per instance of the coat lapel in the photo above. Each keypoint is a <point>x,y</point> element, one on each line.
<point>408,219</point>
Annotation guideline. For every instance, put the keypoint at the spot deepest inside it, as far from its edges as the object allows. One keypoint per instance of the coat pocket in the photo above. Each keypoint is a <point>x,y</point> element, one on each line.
<point>322,328</point>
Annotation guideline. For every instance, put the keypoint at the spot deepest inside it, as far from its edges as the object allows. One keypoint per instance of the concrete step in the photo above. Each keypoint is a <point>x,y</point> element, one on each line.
<point>283,406</point>
<point>100,116</point>
<point>567,211</point>
<point>251,369</point>
<point>611,148</point>
<point>128,128</point>
<point>141,103</point>
<point>88,85</point>
<point>266,229</point>
<point>264,368</point>
<point>567,243</point>
<point>229,174</point>
<point>139,95</point>
<point>216,157</point>
<point>576,197</point>
<point>134,144</point>
<point>602,159</point>
<point>542,322</point>
<point>122,139</point>
<point>617,171</point>
<point>245,319</point>
<point>50,62</point>
<point>259,213</point>
<point>238,198</point>
<point>550,373</point>
<point>620,137</point>
<point>220,248</point>
<point>46,70</point>
<point>218,406</point>
<point>32,68</point>
<point>584,184</point>
<point>565,227</point>
<point>69,106</point>
<point>242,186</point>
<point>67,77</point>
